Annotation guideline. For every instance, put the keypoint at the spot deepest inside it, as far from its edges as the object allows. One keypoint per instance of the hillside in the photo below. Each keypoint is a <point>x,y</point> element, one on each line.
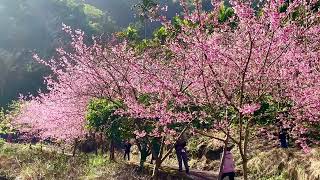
<point>19,161</point>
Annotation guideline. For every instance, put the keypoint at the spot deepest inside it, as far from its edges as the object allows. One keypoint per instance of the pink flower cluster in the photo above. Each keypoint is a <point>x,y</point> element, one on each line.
<point>249,109</point>
<point>140,134</point>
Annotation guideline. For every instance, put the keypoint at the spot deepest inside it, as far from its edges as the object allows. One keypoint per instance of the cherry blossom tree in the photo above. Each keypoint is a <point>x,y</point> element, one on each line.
<point>231,69</point>
<point>82,73</point>
<point>252,55</point>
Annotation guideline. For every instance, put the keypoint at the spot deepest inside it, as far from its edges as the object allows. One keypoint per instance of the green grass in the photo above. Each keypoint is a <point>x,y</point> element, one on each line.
<point>19,161</point>
<point>279,164</point>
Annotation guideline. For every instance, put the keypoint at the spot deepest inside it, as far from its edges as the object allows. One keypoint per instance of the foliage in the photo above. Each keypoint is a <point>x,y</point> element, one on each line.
<point>7,116</point>
<point>18,161</point>
<point>101,117</point>
<point>130,33</point>
<point>225,13</point>
<point>146,9</point>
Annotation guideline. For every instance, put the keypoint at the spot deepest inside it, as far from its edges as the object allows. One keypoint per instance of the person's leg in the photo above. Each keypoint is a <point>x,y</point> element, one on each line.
<point>125,153</point>
<point>232,175</point>
<point>179,160</point>
<point>286,144</point>
<point>283,143</point>
<point>128,156</point>
<point>152,158</point>
<point>223,175</point>
<point>185,161</point>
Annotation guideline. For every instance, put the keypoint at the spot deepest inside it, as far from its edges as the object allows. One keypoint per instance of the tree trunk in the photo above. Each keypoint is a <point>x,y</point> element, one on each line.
<point>101,144</point>
<point>75,147</point>
<point>112,157</point>
<point>62,147</point>
<point>104,147</point>
<point>155,173</point>
<point>245,168</point>
<point>245,149</point>
<point>95,143</point>
<point>161,158</point>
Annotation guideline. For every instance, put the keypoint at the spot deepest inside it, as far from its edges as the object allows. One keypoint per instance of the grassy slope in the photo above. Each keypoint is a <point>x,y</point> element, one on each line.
<point>278,164</point>
<point>18,161</point>
<point>268,162</point>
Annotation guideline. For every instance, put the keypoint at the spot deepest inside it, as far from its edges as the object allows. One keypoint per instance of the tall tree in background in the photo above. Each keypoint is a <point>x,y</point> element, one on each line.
<point>146,10</point>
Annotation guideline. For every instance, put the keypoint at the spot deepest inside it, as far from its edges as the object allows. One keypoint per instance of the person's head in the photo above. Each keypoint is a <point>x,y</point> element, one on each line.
<point>180,141</point>
<point>229,147</point>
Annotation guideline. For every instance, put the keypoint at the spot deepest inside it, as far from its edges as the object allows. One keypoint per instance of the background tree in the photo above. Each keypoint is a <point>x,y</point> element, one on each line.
<point>101,117</point>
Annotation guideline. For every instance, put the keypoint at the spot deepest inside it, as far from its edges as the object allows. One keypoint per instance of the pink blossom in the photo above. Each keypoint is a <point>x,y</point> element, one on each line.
<point>140,134</point>
<point>249,109</point>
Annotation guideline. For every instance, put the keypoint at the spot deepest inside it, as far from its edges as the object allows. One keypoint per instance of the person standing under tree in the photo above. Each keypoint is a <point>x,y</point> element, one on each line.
<point>9,138</point>
<point>228,165</point>
<point>182,156</point>
<point>283,136</point>
<point>127,147</point>
<point>155,149</point>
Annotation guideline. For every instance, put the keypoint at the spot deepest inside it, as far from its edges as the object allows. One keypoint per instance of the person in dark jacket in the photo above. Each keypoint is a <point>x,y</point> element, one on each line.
<point>182,156</point>
<point>283,136</point>
<point>155,145</point>
<point>127,147</point>
<point>9,138</point>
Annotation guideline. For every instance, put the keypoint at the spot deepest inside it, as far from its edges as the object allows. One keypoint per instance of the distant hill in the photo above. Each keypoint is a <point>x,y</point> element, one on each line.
<point>120,10</point>
<point>124,13</point>
<point>34,26</point>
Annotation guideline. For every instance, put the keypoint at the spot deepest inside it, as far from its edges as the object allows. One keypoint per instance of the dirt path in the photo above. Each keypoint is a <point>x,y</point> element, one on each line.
<point>173,171</point>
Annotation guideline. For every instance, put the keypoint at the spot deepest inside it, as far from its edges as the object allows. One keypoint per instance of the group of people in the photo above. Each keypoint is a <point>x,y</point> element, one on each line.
<point>182,157</point>
<point>228,169</point>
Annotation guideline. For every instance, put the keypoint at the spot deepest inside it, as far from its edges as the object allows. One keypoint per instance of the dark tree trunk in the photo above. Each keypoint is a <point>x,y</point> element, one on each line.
<point>112,156</point>
<point>95,143</point>
<point>155,173</point>
<point>101,144</point>
<point>75,146</point>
